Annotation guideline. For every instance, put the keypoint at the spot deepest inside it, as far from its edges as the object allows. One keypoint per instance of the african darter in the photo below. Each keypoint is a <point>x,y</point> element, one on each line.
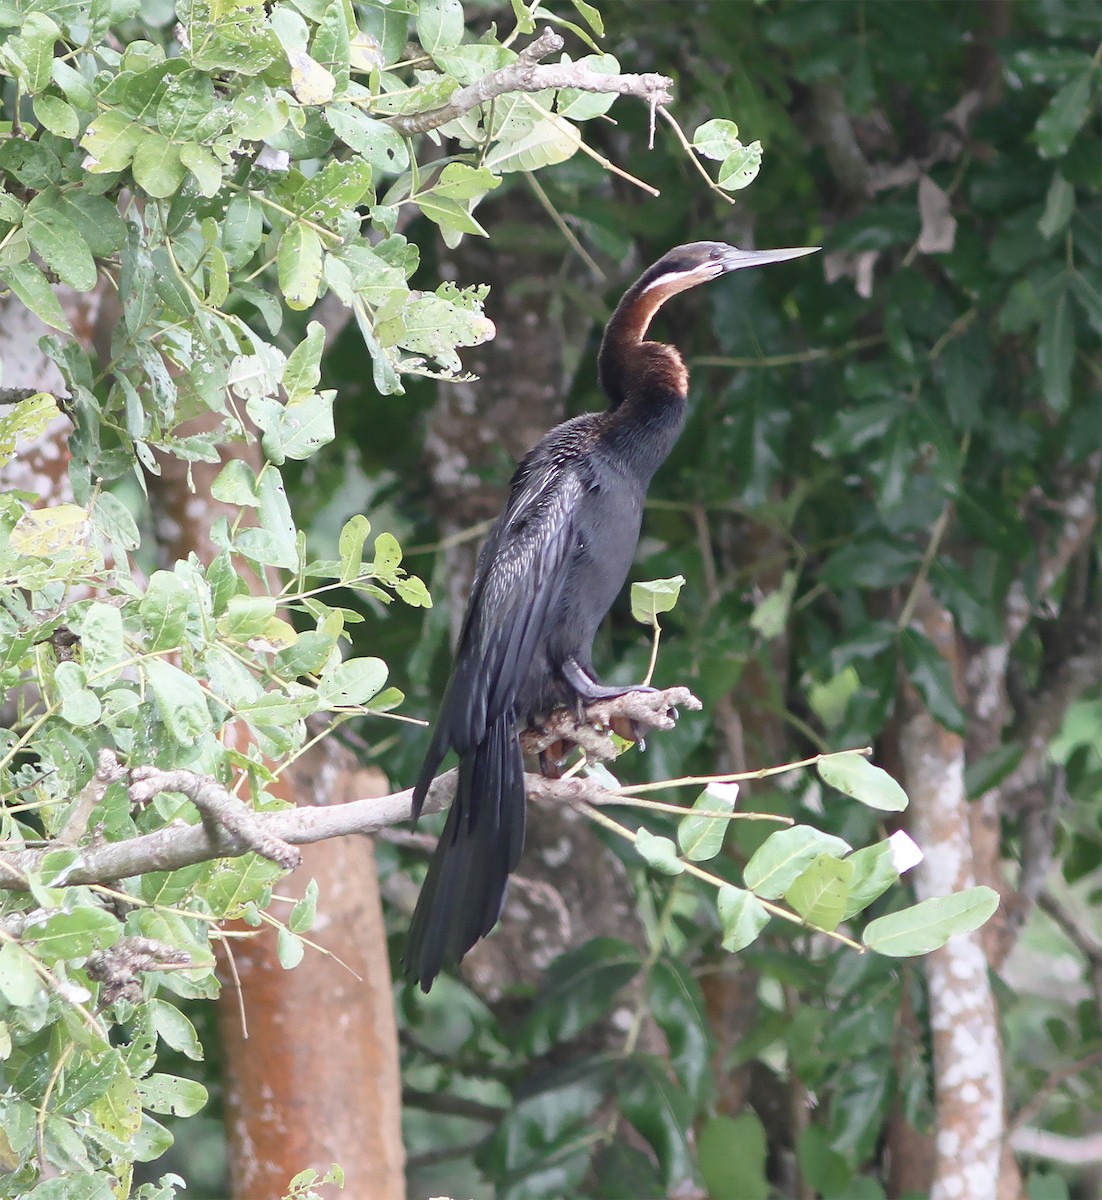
<point>549,571</point>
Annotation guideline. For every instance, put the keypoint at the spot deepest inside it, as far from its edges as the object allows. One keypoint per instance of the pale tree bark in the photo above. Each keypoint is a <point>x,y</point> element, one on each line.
<point>968,1071</point>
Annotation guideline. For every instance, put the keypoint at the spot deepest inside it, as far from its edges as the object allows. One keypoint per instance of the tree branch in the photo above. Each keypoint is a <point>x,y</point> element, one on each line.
<point>230,828</point>
<point>525,75</point>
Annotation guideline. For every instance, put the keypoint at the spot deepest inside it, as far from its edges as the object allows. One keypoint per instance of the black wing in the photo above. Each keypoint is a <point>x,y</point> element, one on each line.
<point>517,581</point>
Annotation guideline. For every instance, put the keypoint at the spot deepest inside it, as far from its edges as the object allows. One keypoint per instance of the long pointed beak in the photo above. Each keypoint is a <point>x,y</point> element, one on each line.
<point>734,258</point>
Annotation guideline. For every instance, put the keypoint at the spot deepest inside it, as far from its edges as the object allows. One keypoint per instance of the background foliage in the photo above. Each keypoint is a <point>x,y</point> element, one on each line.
<point>912,416</point>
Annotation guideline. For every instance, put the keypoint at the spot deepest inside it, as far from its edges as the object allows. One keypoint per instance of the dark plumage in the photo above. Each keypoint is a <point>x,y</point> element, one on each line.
<point>549,571</point>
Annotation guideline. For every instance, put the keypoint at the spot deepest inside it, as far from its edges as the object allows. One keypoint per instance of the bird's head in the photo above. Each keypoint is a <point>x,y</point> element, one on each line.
<point>696,262</point>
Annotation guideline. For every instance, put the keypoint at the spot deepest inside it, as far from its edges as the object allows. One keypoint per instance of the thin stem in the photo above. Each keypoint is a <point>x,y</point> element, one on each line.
<point>936,534</point>
<point>320,230</point>
<point>679,810</point>
<point>606,163</point>
<point>686,145</point>
<point>563,228</point>
<point>736,776</point>
<point>653,653</point>
<point>789,360</point>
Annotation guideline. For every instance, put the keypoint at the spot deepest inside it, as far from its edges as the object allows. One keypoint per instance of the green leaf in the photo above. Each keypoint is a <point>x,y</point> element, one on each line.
<point>305,425</point>
<point>112,520</point>
<point>591,16</point>
<point>31,54</point>
<point>439,24</point>
<point>72,934</point>
<point>580,987</point>
<point>655,596</point>
<point>784,855</point>
<point>449,214</point>
<point>25,420</point>
<point>732,1153</point>
<point>81,708</point>
<point>180,699</point>
<point>701,837</point>
<point>32,287</point>
<point>61,246</point>
<point>171,1095</point>
<point>550,140</point>
<point>388,557</point>
<point>770,615</point>
<point>662,1114</point>
<point>164,610</point>
<point>352,683</point>
<point>413,591</point>
<point>380,145</point>
<point>350,546</point>
<point>175,1029</point>
<point>742,915</point>
<point>304,911</point>
<point>56,115</point>
<point>236,484</point>
<point>853,775</point>
<point>1059,207</point>
<point>111,140</point>
<point>242,230</point>
<point>716,139</point>
<point>48,532</point>
<point>302,373</point>
<point>458,181</point>
<point>871,562</point>
<point>819,893</point>
<point>157,166</point>
<point>873,873</point>
<point>932,678</point>
<point>276,521</point>
<point>740,168</point>
<point>931,923</point>
<point>246,617</point>
<point>19,982</point>
<point>659,852</point>
<point>1065,115</point>
<point>1056,352</point>
<point>290,949</point>
<point>299,264</point>
<point>204,165</point>
<point>677,1006</point>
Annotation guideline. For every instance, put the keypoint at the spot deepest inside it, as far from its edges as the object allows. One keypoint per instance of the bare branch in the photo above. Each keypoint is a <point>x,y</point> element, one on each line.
<point>230,828</point>
<point>525,75</point>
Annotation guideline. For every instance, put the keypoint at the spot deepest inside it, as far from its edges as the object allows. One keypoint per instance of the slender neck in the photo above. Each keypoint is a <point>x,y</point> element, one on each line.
<point>631,365</point>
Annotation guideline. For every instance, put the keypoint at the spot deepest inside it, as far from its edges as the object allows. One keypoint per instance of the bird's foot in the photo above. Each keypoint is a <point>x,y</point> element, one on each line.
<point>589,690</point>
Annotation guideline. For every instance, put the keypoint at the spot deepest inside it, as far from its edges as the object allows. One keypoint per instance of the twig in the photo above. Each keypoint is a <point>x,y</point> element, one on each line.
<point>1086,943</point>
<point>108,771</point>
<point>1051,1082</point>
<point>525,75</point>
<point>220,810</point>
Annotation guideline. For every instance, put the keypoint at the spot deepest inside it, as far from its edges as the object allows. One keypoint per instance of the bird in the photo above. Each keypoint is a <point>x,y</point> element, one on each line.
<point>547,575</point>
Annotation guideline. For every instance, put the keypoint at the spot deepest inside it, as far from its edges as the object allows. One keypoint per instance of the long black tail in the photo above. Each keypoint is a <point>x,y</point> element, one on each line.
<point>464,890</point>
